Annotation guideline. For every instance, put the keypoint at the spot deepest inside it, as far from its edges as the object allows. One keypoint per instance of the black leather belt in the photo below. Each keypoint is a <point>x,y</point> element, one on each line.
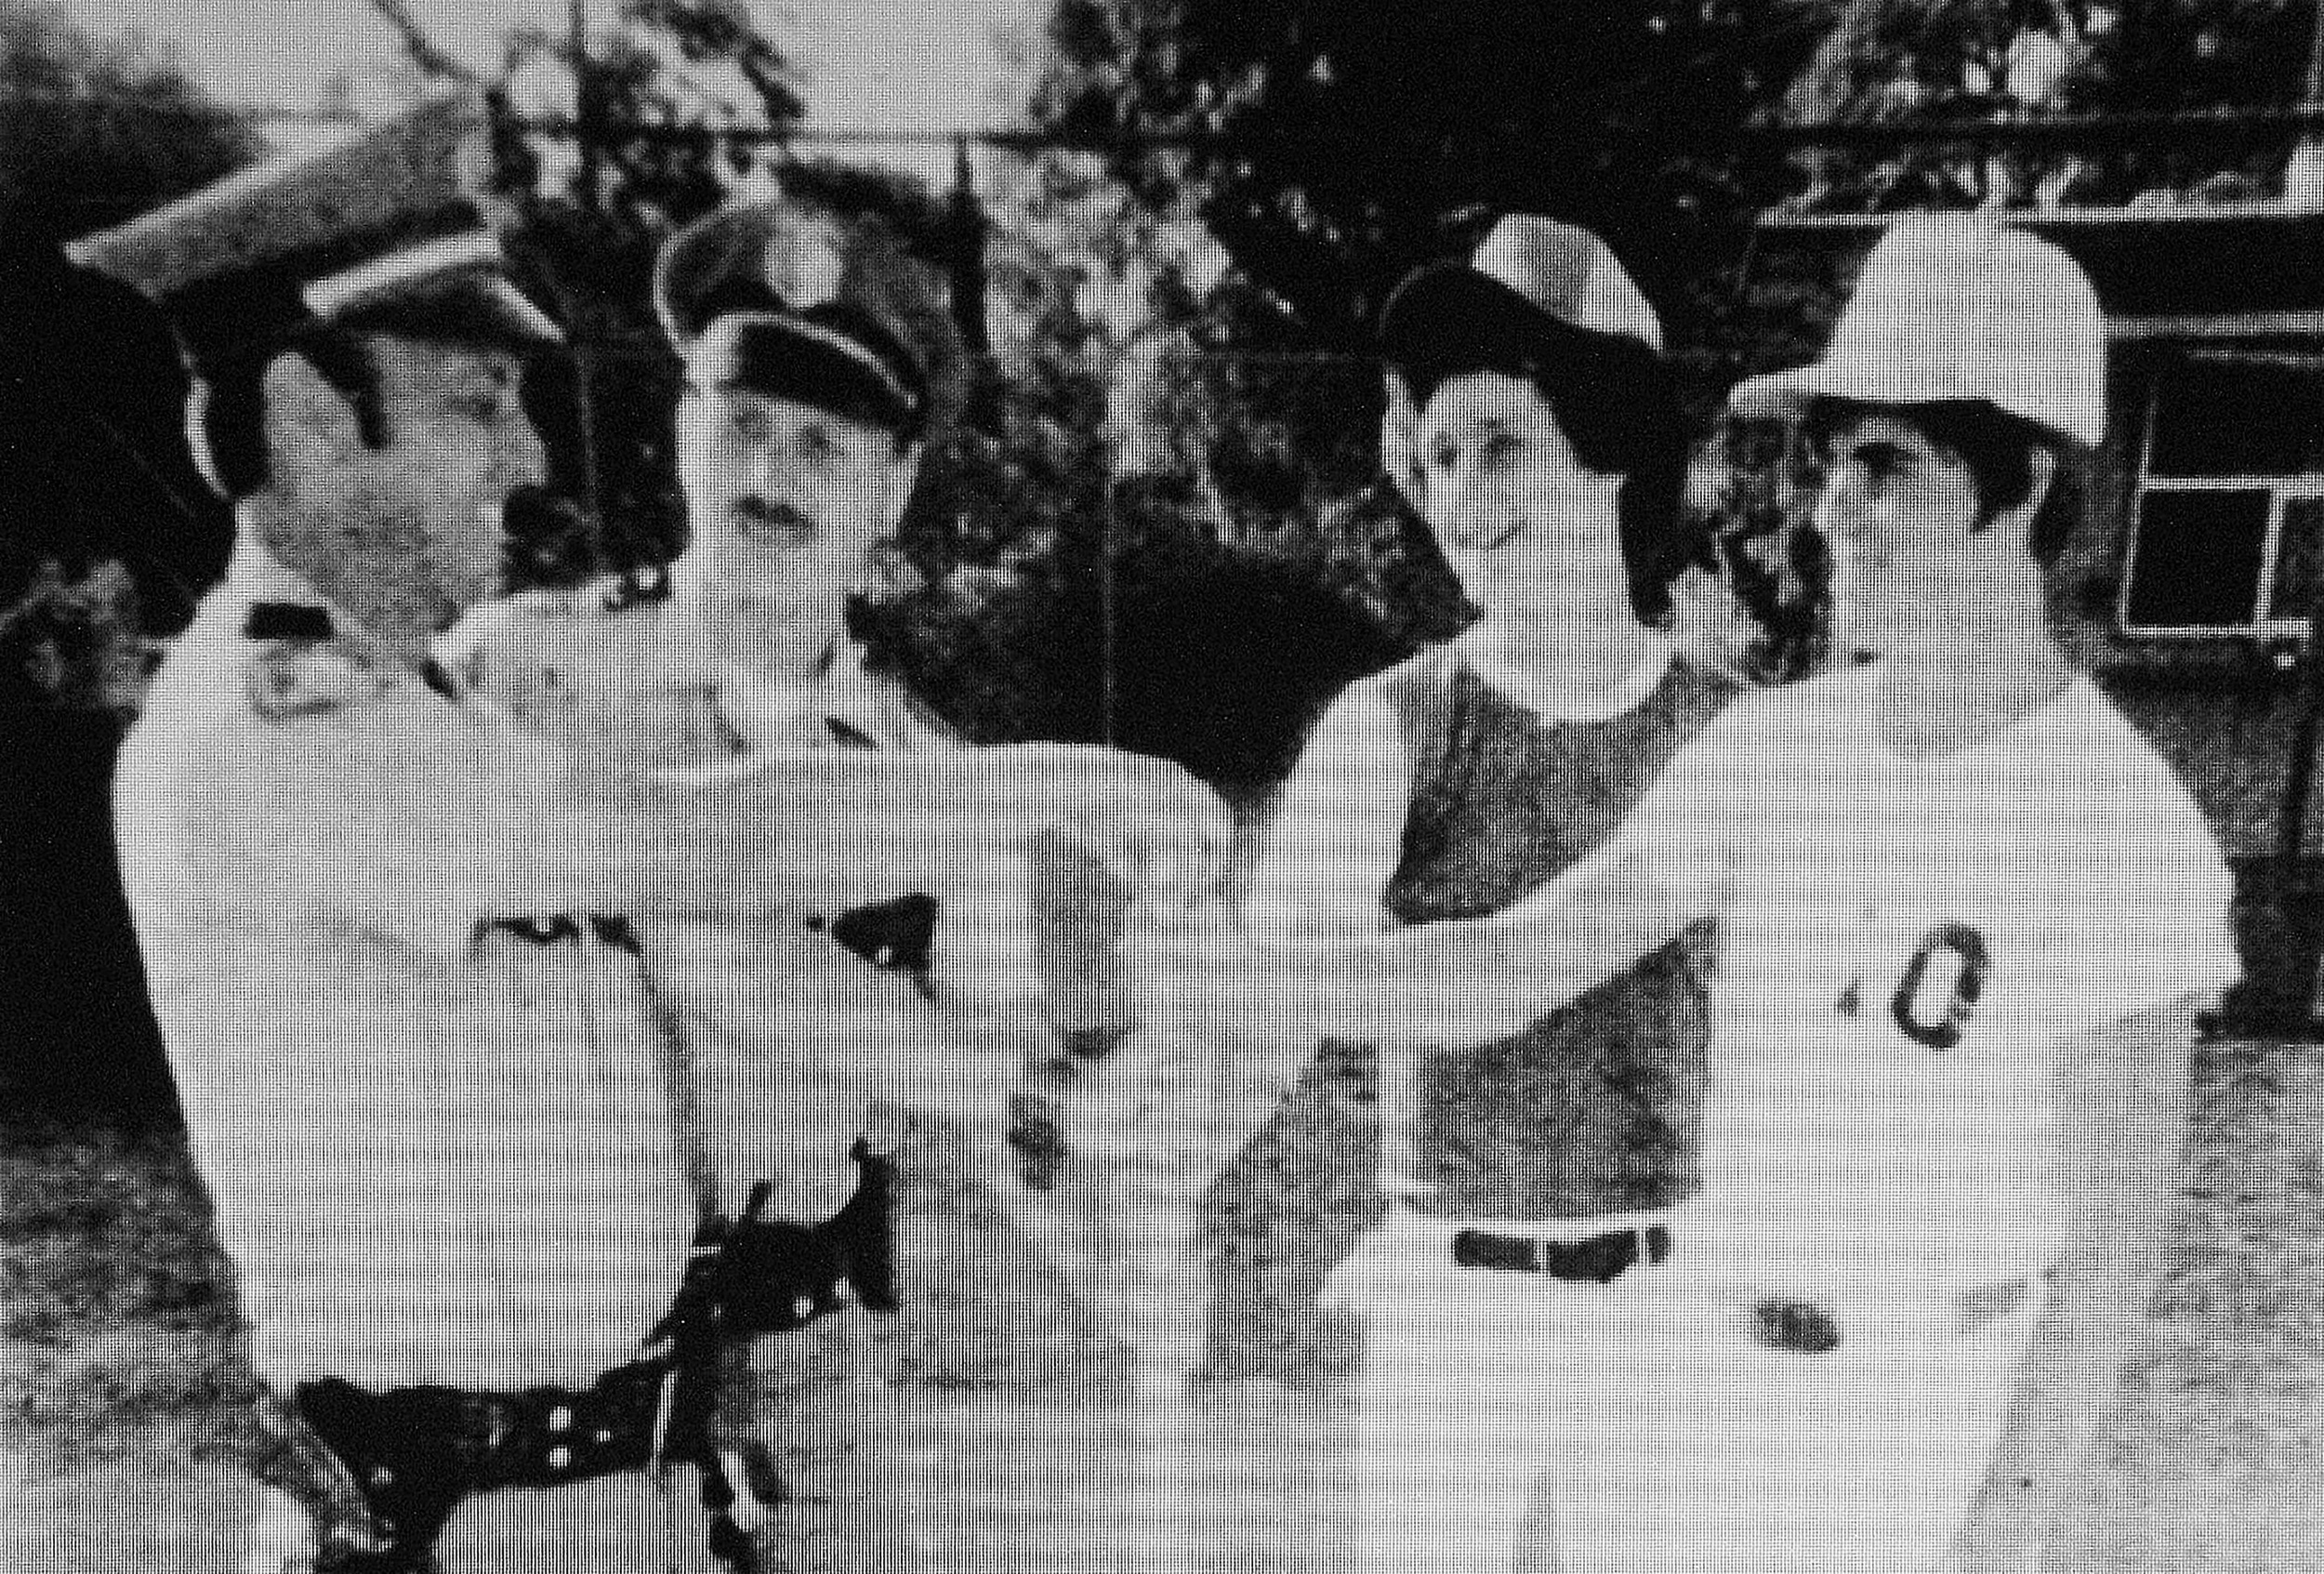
<point>417,1452</point>
<point>1599,1259</point>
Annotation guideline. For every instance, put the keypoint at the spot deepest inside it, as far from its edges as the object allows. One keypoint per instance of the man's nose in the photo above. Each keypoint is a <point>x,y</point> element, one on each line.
<point>524,458</point>
<point>1840,508</point>
<point>771,474</point>
<point>1464,509</point>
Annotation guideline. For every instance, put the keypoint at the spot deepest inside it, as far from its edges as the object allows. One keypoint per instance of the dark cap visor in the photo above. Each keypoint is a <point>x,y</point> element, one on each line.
<point>785,356</point>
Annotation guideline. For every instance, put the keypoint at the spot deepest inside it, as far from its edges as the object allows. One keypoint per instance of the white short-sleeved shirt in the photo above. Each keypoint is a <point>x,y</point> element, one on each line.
<point>1905,943</point>
<point>798,1046</point>
<point>430,1112</point>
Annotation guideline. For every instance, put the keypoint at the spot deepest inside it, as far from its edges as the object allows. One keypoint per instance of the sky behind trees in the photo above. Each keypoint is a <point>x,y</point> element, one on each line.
<point>898,64</point>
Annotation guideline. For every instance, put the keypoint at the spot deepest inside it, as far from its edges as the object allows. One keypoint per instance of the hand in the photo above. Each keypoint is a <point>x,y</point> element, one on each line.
<point>1160,830</point>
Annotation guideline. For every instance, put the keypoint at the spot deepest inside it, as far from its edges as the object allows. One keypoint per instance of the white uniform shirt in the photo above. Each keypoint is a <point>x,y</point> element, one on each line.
<point>792,1041</point>
<point>440,1149</point>
<point>1904,943</point>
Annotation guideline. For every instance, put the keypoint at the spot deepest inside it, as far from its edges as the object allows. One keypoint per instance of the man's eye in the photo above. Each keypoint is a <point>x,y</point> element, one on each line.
<point>750,426</point>
<point>1498,447</point>
<point>1443,456</point>
<point>817,443</point>
<point>484,409</point>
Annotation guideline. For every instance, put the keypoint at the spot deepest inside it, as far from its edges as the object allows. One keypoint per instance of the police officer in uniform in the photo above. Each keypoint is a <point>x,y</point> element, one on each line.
<point>804,415</point>
<point>391,937</point>
<point>817,358</point>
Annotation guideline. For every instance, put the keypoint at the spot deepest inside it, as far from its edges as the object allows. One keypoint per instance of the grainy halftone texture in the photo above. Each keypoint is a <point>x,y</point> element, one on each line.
<point>116,1350</point>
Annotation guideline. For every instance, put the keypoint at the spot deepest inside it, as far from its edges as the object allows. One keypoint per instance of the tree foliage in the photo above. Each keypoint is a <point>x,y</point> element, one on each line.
<point>1345,144</point>
<point>93,477</point>
<point>647,94</point>
<point>93,131</point>
<point>1940,61</point>
<point>1105,549</point>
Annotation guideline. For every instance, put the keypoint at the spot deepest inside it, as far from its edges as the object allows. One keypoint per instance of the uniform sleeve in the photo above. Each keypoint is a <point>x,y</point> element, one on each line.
<point>603,681</point>
<point>1336,838</point>
<point>2157,922</point>
<point>413,818</point>
<point>505,652</point>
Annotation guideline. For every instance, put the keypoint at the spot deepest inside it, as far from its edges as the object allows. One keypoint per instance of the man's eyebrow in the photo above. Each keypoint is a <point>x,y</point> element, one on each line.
<point>1876,450</point>
<point>493,373</point>
<point>1485,421</point>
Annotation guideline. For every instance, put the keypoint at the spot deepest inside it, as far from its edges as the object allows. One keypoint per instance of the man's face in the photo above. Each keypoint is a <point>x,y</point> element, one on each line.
<point>1526,526</point>
<point>1901,515</point>
<point>455,443</point>
<point>786,502</point>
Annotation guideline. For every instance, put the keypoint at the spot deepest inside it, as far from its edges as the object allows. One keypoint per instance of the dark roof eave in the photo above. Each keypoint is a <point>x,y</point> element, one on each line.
<point>2173,260</point>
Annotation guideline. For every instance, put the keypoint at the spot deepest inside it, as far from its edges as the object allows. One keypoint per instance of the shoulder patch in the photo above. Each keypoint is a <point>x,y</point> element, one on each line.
<point>290,680</point>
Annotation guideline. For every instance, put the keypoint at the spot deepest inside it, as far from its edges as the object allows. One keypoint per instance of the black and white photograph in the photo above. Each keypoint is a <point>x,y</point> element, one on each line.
<point>1161,786</point>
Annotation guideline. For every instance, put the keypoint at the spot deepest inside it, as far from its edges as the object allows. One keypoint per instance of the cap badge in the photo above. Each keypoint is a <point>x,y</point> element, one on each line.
<point>803,266</point>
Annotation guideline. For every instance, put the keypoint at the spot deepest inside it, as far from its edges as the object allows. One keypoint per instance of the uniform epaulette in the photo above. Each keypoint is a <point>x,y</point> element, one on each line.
<point>287,678</point>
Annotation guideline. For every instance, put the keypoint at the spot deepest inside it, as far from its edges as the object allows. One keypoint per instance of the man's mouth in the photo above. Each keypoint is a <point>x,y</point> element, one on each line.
<point>776,524</point>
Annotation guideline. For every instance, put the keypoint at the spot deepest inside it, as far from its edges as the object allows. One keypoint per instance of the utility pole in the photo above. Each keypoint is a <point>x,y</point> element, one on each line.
<point>966,227</point>
<point>584,115</point>
<point>586,128</point>
<point>2292,828</point>
<point>2296,926</point>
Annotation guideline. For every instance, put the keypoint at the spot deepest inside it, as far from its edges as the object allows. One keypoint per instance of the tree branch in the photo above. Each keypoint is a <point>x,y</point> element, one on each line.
<point>423,51</point>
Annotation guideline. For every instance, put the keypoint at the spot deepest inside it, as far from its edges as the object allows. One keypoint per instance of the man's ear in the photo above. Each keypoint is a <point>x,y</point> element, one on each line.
<point>901,477</point>
<point>310,426</point>
<point>197,434</point>
<point>2042,473</point>
<point>1400,440</point>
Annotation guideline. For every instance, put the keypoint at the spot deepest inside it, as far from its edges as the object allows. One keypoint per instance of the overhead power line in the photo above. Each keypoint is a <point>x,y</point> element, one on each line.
<point>2245,125</point>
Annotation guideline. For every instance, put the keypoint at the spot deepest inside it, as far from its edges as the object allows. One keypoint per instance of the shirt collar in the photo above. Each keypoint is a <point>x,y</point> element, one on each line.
<point>255,577</point>
<point>1623,695</point>
<point>839,704</point>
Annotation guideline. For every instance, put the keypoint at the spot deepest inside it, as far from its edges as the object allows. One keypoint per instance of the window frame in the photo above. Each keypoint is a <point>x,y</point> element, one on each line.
<point>2268,622</point>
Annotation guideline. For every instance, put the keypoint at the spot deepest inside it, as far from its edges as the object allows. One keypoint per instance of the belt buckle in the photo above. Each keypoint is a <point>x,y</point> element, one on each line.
<point>1599,1258</point>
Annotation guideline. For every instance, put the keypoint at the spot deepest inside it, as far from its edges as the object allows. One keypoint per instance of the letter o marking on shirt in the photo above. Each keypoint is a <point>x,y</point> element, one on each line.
<point>1941,985</point>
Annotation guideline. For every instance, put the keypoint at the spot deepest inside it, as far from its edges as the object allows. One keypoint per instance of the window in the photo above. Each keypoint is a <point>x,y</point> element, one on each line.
<point>2226,521</point>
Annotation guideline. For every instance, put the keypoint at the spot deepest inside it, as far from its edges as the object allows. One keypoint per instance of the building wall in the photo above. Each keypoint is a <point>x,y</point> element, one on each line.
<point>2220,709</point>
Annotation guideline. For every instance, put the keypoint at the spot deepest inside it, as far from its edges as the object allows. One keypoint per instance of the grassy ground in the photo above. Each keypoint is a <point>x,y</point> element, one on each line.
<point>120,1349</point>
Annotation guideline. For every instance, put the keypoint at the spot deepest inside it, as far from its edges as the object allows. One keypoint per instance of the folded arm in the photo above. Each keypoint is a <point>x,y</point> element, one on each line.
<point>1468,983</point>
<point>425,821</point>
